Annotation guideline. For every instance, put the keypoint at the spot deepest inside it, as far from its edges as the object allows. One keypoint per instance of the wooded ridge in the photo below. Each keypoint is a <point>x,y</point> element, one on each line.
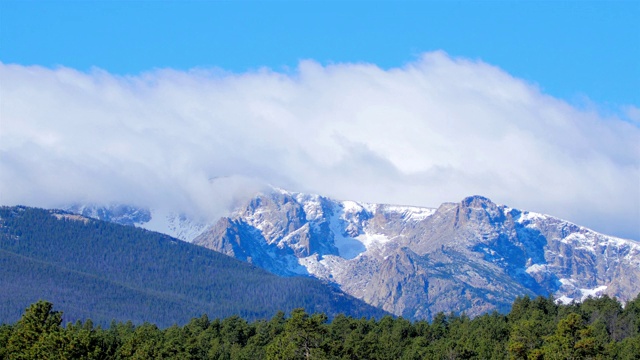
<point>106,271</point>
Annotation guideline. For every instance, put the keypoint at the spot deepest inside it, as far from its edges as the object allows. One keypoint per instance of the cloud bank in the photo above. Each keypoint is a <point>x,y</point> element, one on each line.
<point>435,130</point>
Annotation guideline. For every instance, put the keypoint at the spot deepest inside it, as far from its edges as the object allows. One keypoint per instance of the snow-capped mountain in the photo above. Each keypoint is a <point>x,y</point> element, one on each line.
<point>471,256</point>
<point>166,222</point>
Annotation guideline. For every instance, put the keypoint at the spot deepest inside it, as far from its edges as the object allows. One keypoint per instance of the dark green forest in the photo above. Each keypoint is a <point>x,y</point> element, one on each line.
<point>598,328</point>
<point>104,271</point>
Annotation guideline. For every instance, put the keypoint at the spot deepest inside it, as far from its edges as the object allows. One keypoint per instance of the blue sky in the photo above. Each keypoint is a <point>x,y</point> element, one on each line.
<point>575,50</point>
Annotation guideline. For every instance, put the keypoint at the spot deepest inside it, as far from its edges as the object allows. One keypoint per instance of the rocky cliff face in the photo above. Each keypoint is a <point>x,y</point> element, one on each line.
<point>472,256</point>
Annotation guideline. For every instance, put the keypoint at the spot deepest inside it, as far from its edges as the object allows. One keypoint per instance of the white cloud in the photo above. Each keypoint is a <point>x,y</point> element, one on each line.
<point>632,113</point>
<point>436,130</point>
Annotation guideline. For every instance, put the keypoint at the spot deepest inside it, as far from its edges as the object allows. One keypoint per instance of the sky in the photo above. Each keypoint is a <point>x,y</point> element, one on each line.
<point>194,104</point>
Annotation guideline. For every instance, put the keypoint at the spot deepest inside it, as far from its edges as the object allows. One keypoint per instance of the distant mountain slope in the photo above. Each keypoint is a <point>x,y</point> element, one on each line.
<point>106,271</point>
<point>170,223</point>
<point>471,256</point>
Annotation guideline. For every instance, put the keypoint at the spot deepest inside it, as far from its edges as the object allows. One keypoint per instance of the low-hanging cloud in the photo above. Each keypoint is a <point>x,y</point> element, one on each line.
<point>435,130</point>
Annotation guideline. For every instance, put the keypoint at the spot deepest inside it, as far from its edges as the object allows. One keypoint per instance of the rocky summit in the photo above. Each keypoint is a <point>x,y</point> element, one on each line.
<point>473,256</point>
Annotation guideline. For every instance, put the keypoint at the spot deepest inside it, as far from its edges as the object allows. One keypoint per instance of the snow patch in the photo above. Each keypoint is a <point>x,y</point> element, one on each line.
<point>565,300</point>
<point>412,213</point>
<point>351,247</point>
<point>72,217</point>
<point>312,206</point>
<point>174,225</point>
<point>536,268</point>
<point>348,248</point>
<point>592,292</point>
<point>351,206</point>
<point>567,282</point>
<point>527,216</point>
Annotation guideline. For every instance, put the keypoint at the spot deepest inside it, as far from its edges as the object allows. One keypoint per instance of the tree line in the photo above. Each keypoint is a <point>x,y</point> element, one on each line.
<point>598,328</point>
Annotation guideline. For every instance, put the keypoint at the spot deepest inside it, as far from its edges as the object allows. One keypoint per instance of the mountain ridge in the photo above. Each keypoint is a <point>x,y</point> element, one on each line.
<point>472,256</point>
<point>109,271</point>
<point>469,256</point>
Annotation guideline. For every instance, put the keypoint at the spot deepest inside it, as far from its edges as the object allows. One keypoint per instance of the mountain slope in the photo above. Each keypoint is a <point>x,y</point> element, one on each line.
<point>108,271</point>
<point>472,256</point>
<point>170,223</point>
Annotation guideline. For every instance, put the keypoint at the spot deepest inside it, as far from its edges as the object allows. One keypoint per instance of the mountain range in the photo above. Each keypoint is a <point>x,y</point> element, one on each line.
<point>472,256</point>
<point>104,271</point>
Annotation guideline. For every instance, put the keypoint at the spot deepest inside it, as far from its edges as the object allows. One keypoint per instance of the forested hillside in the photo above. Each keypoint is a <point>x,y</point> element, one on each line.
<point>104,271</point>
<point>534,329</point>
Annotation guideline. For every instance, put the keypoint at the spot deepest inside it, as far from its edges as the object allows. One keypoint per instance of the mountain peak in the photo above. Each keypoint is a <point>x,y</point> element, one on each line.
<point>474,200</point>
<point>405,259</point>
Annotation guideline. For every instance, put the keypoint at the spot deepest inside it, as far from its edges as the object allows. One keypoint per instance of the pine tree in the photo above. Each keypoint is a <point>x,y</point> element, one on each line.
<point>38,334</point>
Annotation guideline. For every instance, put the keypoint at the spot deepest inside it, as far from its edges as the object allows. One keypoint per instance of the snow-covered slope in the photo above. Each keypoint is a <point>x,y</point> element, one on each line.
<point>166,222</point>
<point>471,256</point>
